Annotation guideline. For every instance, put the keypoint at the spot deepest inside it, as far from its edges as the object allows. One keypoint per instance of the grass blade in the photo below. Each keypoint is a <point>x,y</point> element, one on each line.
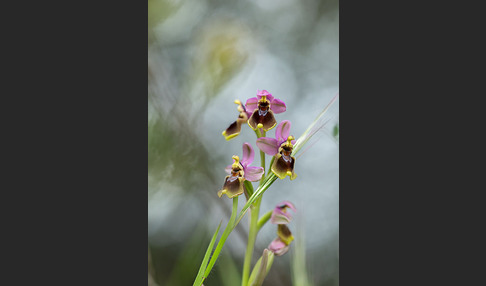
<point>222,240</point>
<point>199,277</point>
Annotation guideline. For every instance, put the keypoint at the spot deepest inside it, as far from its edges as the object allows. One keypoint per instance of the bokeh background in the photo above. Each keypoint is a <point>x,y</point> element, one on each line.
<point>202,55</point>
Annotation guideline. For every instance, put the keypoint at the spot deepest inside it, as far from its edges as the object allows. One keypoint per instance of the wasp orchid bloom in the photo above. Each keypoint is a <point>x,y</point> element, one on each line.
<point>261,110</point>
<point>281,147</point>
<point>235,128</point>
<point>240,171</point>
<point>281,244</point>
<point>280,214</point>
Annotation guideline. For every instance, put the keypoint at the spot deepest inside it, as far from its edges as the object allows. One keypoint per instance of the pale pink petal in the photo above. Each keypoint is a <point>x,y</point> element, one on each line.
<point>282,131</point>
<point>253,174</point>
<point>248,154</point>
<point>278,247</point>
<point>280,217</point>
<point>251,105</point>
<point>280,214</point>
<point>268,145</point>
<point>277,106</point>
<point>288,205</point>
<point>261,93</point>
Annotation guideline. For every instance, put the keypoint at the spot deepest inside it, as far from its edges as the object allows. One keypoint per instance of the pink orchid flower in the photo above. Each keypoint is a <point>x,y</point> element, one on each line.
<point>240,171</point>
<point>281,147</point>
<point>280,216</point>
<point>261,108</point>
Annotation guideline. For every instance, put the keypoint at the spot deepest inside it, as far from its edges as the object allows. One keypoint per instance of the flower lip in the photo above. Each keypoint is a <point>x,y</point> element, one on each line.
<point>235,128</point>
<point>261,108</point>
<point>281,244</point>
<point>264,117</point>
<point>232,187</point>
<point>281,147</point>
<point>284,234</point>
<point>283,165</point>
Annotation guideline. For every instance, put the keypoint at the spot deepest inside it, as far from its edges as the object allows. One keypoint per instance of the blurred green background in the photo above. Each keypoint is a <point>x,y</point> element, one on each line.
<point>202,55</point>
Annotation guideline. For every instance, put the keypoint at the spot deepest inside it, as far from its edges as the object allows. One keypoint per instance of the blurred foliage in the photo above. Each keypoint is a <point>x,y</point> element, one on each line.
<point>160,10</point>
<point>220,55</point>
<point>335,131</point>
<point>299,268</point>
<point>228,270</point>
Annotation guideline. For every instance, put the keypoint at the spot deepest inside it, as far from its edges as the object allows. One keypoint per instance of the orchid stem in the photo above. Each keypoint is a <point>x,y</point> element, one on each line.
<point>262,159</point>
<point>270,166</point>
<point>258,133</point>
<point>251,241</point>
<point>254,212</point>
<point>263,220</point>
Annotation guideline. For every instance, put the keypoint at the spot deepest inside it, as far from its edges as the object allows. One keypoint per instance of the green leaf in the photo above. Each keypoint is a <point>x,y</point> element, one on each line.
<point>199,278</point>
<point>261,268</point>
<point>229,227</point>
<point>315,126</point>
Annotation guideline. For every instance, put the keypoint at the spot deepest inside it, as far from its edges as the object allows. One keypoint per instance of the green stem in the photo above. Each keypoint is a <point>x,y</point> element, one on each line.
<point>222,240</point>
<point>270,166</point>
<point>258,133</point>
<point>263,220</point>
<point>254,212</point>
<point>262,159</point>
<point>251,241</point>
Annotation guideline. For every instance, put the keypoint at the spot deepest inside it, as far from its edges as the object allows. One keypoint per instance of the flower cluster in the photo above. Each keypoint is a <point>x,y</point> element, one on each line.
<point>258,112</point>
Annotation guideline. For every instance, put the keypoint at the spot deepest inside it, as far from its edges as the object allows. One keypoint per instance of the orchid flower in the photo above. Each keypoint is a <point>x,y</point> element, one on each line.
<point>235,128</point>
<point>281,147</point>
<point>239,172</point>
<point>281,244</point>
<point>262,108</point>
